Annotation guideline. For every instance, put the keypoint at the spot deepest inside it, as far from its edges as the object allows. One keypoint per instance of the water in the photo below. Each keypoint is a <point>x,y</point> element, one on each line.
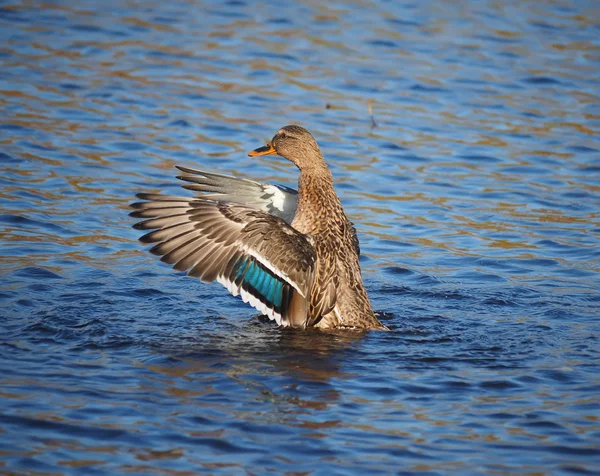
<point>476,197</point>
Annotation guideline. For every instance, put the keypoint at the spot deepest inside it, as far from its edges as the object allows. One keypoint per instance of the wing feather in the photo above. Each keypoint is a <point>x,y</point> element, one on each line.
<point>249,251</point>
<point>274,199</point>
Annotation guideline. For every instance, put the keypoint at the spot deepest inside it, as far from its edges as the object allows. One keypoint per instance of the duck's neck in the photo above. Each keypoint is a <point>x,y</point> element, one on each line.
<point>317,201</point>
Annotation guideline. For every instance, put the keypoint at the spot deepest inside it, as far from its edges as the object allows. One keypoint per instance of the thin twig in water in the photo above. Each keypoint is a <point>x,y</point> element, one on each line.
<point>373,121</point>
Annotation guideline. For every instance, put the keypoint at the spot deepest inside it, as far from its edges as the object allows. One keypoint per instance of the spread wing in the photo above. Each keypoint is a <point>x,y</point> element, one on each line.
<point>249,251</point>
<point>274,199</point>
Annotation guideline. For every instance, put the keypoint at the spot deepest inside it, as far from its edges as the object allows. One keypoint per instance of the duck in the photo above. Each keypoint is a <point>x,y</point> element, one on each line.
<point>292,255</point>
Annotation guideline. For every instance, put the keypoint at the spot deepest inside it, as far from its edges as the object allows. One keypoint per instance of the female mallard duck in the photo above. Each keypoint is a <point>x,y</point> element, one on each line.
<point>291,255</point>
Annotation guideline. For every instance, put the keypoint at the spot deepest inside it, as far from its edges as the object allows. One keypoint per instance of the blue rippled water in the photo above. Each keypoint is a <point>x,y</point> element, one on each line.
<point>463,137</point>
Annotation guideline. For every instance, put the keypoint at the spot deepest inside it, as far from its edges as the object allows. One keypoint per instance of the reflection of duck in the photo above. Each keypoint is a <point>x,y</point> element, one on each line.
<point>293,256</point>
<point>313,356</point>
<point>293,370</point>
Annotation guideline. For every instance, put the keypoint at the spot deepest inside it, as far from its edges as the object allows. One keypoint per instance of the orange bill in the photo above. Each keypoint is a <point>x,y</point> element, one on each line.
<point>265,150</point>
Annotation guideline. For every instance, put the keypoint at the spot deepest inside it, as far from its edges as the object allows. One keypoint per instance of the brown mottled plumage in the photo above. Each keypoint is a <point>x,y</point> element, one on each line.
<point>293,257</point>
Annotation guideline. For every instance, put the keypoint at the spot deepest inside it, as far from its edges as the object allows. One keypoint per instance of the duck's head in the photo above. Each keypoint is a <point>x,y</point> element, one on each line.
<point>295,144</point>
